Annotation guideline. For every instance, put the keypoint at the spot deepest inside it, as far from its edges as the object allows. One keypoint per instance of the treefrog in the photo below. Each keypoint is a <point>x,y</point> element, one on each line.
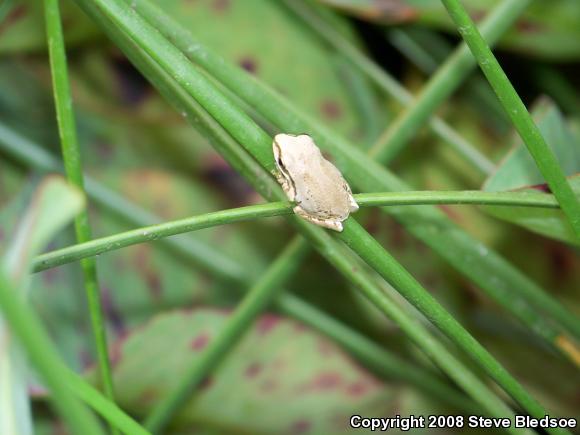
<point>322,196</point>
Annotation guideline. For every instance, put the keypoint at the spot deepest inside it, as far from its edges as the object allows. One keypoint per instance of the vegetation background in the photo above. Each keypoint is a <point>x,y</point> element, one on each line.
<point>161,139</point>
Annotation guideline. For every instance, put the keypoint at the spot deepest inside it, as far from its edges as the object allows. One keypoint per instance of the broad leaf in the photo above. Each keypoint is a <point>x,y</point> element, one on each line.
<point>287,378</point>
<point>53,205</point>
<point>519,171</point>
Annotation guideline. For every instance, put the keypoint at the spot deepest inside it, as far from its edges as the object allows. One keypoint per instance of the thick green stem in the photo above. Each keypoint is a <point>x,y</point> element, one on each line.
<point>154,232</point>
<point>387,266</point>
<point>73,169</point>
<point>513,105</point>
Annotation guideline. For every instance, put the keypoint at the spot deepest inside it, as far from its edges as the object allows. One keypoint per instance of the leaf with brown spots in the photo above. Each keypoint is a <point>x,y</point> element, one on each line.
<point>266,40</point>
<point>276,379</point>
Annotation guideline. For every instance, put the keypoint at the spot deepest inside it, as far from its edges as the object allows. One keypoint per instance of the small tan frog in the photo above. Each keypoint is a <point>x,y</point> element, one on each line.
<point>321,194</point>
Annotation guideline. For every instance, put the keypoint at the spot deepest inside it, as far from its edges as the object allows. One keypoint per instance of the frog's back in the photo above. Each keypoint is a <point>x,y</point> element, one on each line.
<point>324,192</point>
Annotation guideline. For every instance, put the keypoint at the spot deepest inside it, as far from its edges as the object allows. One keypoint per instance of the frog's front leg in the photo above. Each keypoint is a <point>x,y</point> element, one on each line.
<point>326,223</point>
<point>286,187</point>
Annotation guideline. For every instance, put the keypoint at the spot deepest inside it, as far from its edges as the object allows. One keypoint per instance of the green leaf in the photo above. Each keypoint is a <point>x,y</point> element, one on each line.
<point>550,223</point>
<point>518,171</point>
<point>53,205</point>
<point>23,27</point>
<point>298,380</point>
<point>518,168</point>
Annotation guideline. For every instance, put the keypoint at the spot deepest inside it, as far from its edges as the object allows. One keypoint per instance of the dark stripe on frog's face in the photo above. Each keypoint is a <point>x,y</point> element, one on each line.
<point>282,168</point>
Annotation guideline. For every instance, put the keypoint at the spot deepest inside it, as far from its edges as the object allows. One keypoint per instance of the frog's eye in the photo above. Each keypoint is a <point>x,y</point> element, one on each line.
<point>281,164</point>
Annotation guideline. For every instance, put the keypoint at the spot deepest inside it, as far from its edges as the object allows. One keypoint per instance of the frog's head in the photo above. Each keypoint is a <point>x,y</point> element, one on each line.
<point>289,150</point>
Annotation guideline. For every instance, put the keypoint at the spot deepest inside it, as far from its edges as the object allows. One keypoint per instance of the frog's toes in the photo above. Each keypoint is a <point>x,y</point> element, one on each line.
<point>353,206</point>
<point>333,225</point>
<point>300,212</point>
<point>326,223</point>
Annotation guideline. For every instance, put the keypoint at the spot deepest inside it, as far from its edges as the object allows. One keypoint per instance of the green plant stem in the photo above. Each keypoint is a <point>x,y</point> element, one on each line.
<point>25,325</point>
<point>432,347</point>
<point>427,49</point>
<point>258,144</point>
<point>257,298</point>
<point>154,232</point>
<point>334,252</point>
<point>514,291</point>
<point>532,137</point>
<point>5,8</point>
<point>73,169</point>
<point>443,83</point>
<point>380,360</point>
<point>157,231</point>
<point>427,61</point>
<point>423,197</point>
<point>386,265</point>
<point>103,406</point>
<point>362,96</point>
<point>551,81</point>
<point>386,82</point>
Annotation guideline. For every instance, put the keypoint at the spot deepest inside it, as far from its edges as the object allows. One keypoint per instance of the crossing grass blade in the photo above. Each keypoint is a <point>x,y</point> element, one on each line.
<point>73,169</point>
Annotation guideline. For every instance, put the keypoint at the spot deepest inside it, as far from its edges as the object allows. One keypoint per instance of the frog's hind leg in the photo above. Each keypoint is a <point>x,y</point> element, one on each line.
<point>326,223</point>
